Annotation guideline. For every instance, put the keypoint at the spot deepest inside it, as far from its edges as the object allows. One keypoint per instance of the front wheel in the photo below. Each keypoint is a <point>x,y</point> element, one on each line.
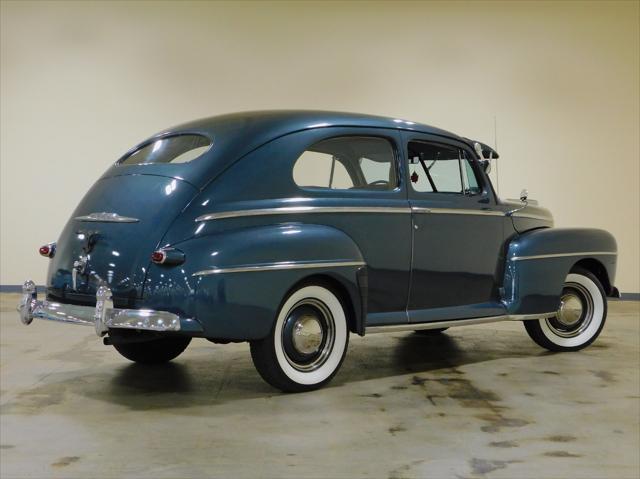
<point>307,343</point>
<point>579,319</point>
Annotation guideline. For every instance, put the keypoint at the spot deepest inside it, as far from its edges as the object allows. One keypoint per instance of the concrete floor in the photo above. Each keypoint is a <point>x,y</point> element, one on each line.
<point>480,401</point>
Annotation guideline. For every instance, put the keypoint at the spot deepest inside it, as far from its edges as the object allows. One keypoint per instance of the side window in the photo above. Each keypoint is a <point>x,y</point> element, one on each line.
<point>434,168</point>
<point>321,170</point>
<point>347,162</point>
<point>445,173</point>
<point>473,187</point>
<point>375,172</point>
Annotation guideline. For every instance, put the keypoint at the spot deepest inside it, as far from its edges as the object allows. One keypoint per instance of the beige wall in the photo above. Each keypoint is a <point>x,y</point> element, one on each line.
<point>82,82</point>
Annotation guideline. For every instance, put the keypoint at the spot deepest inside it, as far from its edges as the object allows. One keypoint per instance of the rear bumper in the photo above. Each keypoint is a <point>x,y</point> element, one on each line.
<point>103,316</point>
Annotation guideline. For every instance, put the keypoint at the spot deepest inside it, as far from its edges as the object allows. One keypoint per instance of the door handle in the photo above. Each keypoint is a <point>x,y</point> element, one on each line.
<point>420,209</point>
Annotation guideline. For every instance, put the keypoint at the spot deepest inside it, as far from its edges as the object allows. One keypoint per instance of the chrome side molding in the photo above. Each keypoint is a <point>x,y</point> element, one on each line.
<point>278,266</point>
<point>105,217</point>
<point>531,216</point>
<point>288,210</point>
<point>392,328</point>
<point>457,211</point>
<point>284,210</point>
<point>560,255</point>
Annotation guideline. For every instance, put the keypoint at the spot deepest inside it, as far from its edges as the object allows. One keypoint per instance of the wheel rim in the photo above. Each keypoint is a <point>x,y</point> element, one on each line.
<point>575,312</point>
<point>308,334</point>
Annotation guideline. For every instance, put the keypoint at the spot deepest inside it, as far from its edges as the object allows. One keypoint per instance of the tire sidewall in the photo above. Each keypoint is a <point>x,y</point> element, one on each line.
<point>326,371</point>
<point>594,290</point>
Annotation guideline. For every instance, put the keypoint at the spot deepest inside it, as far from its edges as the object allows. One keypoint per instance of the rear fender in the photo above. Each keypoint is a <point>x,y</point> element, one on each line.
<point>233,282</point>
<point>538,262</point>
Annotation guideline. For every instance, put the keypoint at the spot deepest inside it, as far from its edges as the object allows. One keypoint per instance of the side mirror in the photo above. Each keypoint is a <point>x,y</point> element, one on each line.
<point>524,195</point>
<point>485,162</point>
<point>478,148</point>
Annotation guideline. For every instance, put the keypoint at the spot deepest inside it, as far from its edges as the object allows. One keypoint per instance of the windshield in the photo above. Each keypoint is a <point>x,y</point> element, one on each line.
<point>170,149</point>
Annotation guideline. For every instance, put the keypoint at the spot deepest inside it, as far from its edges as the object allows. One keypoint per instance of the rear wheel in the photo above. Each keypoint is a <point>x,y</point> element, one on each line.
<point>579,319</point>
<point>153,352</point>
<point>307,343</point>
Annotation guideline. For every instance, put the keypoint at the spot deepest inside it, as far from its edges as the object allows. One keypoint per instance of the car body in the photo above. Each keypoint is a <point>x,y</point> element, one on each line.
<point>398,220</point>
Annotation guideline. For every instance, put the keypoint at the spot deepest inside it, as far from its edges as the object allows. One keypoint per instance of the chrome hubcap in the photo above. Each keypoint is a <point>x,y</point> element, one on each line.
<point>570,309</point>
<point>575,312</point>
<point>308,334</point>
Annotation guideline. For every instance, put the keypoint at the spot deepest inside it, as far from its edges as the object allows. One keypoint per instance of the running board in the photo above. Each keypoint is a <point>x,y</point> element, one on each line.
<point>391,328</point>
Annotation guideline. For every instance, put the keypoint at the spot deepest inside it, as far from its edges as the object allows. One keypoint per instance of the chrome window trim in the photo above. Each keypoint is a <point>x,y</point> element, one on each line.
<point>106,217</point>
<point>391,328</point>
<point>456,211</point>
<point>283,265</point>
<point>463,171</point>
<point>560,255</point>
<point>287,210</point>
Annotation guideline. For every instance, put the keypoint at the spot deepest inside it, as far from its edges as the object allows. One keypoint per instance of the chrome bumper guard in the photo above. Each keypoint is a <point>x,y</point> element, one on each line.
<point>103,316</point>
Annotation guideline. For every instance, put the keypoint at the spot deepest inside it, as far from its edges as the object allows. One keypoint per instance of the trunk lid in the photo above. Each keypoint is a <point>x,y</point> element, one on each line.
<point>115,228</point>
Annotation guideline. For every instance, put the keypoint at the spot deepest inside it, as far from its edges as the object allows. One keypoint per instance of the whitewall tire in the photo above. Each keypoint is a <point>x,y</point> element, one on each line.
<point>308,341</point>
<point>580,316</point>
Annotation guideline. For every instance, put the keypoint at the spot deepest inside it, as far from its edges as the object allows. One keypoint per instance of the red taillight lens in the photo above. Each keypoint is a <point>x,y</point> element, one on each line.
<point>167,256</point>
<point>47,250</point>
<point>158,257</point>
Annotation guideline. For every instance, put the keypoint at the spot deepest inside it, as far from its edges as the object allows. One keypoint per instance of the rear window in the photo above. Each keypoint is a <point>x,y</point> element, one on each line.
<point>170,149</point>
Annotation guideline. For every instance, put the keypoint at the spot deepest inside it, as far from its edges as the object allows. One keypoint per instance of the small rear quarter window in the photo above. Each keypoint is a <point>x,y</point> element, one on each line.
<point>169,149</point>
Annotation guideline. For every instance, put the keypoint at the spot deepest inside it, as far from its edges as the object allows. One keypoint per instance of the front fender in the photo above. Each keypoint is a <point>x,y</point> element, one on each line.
<point>234,281</point>
<point>538,262</point>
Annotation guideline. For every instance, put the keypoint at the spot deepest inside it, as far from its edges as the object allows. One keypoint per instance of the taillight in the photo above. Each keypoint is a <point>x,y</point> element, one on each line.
<point>158,257</point>
<point>167,256</point>
<point>47,250</point>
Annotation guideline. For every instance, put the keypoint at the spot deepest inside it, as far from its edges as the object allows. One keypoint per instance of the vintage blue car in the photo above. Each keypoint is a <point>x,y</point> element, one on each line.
<point>293,229</point>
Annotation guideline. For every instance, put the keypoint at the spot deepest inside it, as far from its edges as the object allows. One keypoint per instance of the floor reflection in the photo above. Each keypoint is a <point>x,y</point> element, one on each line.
<point>213,374</point>
<point>389,355</point>
<point>172,377</point>
<point>225,375</point>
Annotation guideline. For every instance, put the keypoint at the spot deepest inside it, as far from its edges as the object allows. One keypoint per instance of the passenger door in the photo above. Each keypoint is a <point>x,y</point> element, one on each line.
<point>457,232</point>
<point>360,171</point>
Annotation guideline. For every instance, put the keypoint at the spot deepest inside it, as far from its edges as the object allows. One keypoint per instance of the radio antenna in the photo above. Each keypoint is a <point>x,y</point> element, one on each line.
<point>495,147</point>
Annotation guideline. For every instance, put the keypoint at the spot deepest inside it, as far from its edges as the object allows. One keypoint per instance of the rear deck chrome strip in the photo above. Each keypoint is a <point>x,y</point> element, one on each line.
<point>391,328</point>
<point>279,266</point>
<point>105,217</point>
<point>560,255</point>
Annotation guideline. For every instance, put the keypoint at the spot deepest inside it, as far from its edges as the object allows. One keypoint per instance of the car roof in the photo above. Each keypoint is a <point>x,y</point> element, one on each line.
<point>275,123</point>
<point>235,135</point>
